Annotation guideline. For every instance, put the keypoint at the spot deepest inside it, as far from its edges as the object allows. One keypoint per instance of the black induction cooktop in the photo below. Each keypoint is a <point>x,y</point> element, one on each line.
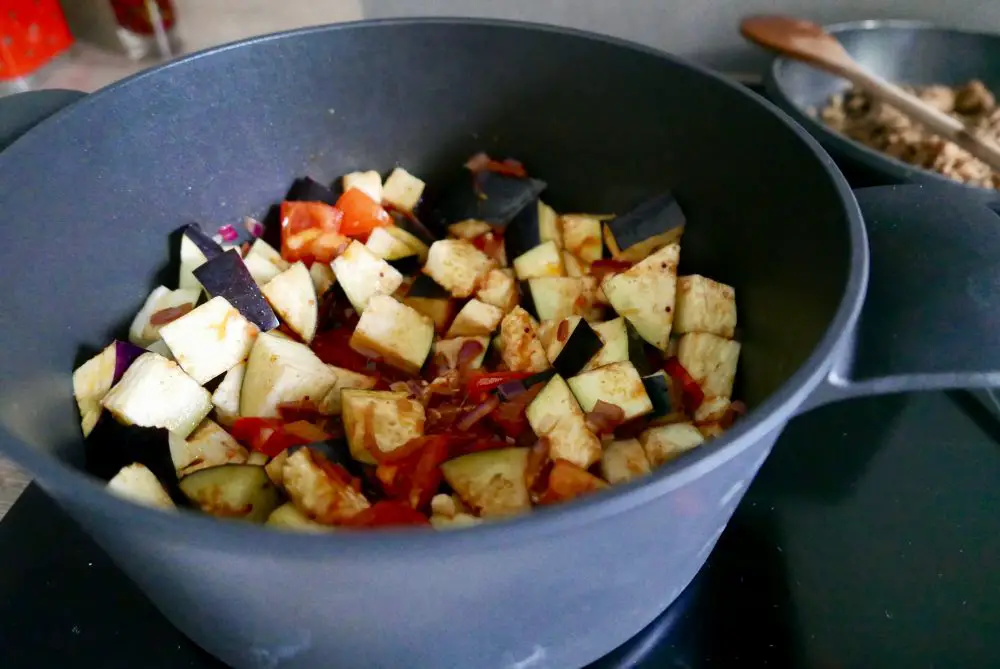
<point>870,538</point>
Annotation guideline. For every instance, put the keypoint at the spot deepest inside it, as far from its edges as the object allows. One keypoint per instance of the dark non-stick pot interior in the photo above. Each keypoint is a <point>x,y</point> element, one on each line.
<point>90,197</point>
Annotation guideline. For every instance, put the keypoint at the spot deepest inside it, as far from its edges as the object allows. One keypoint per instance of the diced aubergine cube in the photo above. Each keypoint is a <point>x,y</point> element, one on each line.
<point>555,415</point>
<point>143,332</point>
<point>409,223</point>
<point>469,229</point>
<point>712,410</point>
<point>322,278</point>
<point>520,346</point>
<point>155,392</point>
<point>474,319</point>
<point>574,266</point>
<point>226,397</point>
<point>379,419</point>
<point>556,297</point>
<point>292,295</point>
<point>644,294</point>
<point>260,269</point>
<point>395,332</point>
<point>582,236</point>
<point>458,266</point>
<point>112,445</point>
<point>402,190</point>
<point>618,384</point>
<point>570,344</point>
<point>668,406</point>
<point>201,240</point>
<point>363,275</point>
<point>704,305</point>
<point>94,378</point>
<point>226,276</point>
<point>499,289</point>
<point>243,492</point>
<point>665,442</point>
<point>207,446</point>
<point>331,405</point>
<point>317,492</point>
<point>287,517</point>
<point>426,287</point>
<point>210,340</point>
<point>440,310</point>
<point>306,189</point>
<point>543,260</point>
<point>450,351</point>
<point>623,460</point>
<point>280,371</point>
<point>369,183</point>
<point>388,247</point>
<point>491,482</point>
<point>533,226</point>
<point>137,484</point>
<point>263,250</point>
<point>160,348</point>
<point>485,196</point>
<point>264,262</point>
<point>257,458</point>
<point>404,233</point>
<point>614,336</point>
<point>191,257</point>
<point>711,361</point>
<point>653,224</point>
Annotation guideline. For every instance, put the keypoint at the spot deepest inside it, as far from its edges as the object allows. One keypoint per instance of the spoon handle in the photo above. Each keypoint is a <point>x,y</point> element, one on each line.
<point>930,117</point>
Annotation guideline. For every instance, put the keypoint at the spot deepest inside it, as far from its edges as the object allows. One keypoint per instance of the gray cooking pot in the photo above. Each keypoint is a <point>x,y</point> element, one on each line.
<point>910,52</point>
<point>91,193</point>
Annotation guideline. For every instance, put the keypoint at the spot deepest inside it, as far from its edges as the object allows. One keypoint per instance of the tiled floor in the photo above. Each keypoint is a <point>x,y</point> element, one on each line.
<point>202,24</point>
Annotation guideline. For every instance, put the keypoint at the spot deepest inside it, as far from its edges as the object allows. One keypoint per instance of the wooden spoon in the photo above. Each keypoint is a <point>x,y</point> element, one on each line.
<point>808,42</point>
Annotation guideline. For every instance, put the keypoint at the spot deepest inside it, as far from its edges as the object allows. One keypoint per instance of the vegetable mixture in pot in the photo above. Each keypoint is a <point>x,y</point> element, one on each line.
<point>462,360</point>
<point>880,126</point>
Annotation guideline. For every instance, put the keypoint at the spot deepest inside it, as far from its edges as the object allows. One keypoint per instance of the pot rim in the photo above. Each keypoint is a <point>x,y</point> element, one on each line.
<point>74,488</point>
<point>777,90</point>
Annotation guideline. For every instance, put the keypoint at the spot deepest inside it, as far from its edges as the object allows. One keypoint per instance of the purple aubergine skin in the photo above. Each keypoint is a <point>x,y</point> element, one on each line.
<point>225,275</point>
<point>205,244</point>
<point>607,124</point>
<point>125,354</point>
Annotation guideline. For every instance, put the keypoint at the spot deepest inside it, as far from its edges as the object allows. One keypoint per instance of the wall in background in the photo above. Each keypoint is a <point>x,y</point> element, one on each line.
<point>702,29</point>
<point>205,23</point>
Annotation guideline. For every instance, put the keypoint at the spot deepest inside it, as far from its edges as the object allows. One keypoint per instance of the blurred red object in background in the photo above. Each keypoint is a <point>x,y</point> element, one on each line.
<point>32,32</point>
<point>134,15</point>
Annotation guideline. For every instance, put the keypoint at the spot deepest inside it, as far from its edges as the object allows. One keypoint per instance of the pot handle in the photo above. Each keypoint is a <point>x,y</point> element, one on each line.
<point>21,112</point>
<point>931,317</point>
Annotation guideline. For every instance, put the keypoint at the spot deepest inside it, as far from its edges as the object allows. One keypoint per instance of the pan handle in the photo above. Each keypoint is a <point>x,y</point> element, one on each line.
<point>21,112</point>
<point>931,317</point>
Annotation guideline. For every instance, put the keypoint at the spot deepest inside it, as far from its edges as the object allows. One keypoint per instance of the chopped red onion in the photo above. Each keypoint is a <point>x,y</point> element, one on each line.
<point>228,233</point>
<point>477,414</point>
<point>253,226</point>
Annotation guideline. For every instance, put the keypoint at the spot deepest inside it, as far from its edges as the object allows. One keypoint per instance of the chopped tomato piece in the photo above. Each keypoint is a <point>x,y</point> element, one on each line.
<point>387,514</point>
<point>270,436</point>
<point>567,481</point>
<point>603,267</point>
<point>361,213</point>
<point>427,477</point>
<point>310,232</point>
<point>691,392</point>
